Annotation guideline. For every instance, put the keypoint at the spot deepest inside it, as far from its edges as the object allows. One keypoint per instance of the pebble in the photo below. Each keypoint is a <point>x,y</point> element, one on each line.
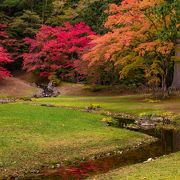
<point>149,160</point>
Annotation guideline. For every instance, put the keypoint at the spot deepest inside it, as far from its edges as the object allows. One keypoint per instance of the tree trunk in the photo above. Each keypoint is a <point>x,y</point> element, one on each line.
<point>176,78</point>
<point>164,83</point>
<point>44,10</point>
<point>164,86</point>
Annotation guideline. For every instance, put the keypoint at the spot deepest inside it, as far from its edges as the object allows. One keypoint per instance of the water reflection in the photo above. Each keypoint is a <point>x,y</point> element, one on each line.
<point>171,140</point>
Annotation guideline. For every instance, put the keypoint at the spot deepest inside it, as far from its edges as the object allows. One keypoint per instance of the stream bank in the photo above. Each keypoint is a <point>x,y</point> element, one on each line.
<point>166,142</point>
<point>127,157</point>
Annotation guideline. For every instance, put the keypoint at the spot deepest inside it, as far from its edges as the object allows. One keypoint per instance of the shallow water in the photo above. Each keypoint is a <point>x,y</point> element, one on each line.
<point>168,142</point>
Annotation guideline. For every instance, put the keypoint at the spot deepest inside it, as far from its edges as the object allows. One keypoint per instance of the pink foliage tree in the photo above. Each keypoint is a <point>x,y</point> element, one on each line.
<point>56,50</point>
<point>4,55</point>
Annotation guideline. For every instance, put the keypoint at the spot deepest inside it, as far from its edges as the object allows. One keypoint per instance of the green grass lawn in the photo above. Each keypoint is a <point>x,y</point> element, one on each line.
<point>128,104</point>
<point>161,169</point>
<point>164,168</point>
<point>134,104</point>
<point>31,136</point>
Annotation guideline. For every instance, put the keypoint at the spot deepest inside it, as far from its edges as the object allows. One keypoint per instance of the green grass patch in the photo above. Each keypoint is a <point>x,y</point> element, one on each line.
<point>164,168</point>
<point>128,104</point>
<point>32,136</point>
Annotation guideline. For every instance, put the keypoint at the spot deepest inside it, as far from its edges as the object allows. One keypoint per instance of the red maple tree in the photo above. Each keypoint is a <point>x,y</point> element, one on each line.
<point>4,55</point>
<point>55,50</point>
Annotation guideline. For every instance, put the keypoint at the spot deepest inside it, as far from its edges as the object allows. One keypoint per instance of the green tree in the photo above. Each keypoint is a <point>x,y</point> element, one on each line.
<point>25,25</point>
<point>94,14</point>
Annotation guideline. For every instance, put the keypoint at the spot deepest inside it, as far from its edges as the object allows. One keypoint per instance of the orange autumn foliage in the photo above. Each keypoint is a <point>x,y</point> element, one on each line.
<point>133,36</point>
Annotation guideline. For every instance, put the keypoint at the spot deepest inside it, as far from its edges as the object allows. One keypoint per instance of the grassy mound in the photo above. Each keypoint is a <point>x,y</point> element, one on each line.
<point>14,87</point>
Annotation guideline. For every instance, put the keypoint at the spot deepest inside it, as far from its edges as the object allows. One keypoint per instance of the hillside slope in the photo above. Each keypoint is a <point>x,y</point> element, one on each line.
<point>15,87</point>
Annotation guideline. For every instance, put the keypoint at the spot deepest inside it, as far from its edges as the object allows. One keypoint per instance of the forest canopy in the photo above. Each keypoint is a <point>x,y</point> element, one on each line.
<point>96,41</point>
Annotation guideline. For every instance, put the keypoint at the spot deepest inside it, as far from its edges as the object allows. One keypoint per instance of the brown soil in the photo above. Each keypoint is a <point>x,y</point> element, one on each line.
<point>15,87</point>
<point>71,89</point>
<point>79,89</point>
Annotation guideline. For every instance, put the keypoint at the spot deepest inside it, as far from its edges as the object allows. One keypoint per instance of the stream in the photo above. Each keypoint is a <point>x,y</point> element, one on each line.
<point>168,142</point>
